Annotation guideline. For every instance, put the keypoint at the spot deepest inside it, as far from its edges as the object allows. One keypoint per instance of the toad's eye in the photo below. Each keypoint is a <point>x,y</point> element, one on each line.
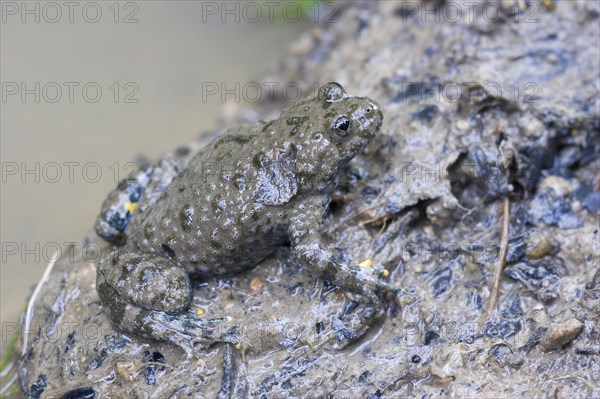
<point>341,126</point>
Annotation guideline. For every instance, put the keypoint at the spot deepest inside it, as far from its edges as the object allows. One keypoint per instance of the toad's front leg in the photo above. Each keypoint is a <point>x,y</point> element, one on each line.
<point>149,296</point>
<point>304,235</point>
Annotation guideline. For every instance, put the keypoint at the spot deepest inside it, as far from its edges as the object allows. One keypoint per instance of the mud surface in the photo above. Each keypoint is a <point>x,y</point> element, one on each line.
<point>425,202</point>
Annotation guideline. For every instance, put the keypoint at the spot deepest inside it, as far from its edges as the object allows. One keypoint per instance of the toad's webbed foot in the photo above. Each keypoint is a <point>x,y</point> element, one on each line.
<point>352,323</point>
<point>149,296</point>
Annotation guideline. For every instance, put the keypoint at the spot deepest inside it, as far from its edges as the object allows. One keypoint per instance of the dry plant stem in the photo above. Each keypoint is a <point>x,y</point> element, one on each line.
<point>501,256</point>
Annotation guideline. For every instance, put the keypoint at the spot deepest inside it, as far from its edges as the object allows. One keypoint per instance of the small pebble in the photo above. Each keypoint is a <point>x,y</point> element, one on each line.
<point>561,186</point>
<point>431,336</point>
<point>256,284</point>
<point>538,246</point>
<point>462,125</point>
<point>404,300</point>
<point>429,230</point>
<point>126,370</point>
<point>80,393</point>
<point>505,356</point>
<point>561,334</point>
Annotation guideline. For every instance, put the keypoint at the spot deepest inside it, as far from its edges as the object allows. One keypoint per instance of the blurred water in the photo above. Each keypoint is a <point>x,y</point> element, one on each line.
<point>161,61</point>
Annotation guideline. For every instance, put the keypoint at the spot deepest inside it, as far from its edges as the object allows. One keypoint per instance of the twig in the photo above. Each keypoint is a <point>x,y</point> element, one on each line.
<point>501,255</point>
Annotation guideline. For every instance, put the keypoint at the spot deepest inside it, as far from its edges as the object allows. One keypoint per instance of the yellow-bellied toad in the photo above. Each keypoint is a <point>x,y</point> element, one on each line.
<point>272,188</point>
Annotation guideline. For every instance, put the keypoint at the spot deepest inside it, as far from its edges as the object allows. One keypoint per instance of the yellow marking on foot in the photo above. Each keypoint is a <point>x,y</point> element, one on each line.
<point>131,207</point>
<point>366,263</point>
<point>200,312</point>
<point>385,272</point>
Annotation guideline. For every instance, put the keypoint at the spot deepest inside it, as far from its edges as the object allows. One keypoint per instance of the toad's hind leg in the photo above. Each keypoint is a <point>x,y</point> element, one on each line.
<point>149,296</point>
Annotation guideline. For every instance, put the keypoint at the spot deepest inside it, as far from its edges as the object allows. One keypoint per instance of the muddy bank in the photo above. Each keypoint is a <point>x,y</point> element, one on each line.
<point>476,112</point>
